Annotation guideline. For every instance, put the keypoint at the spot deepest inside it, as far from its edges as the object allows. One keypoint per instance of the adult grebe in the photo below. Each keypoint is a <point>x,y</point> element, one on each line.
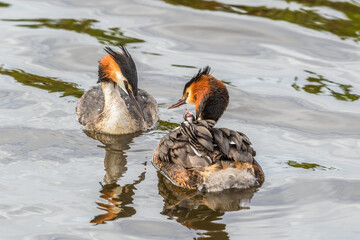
<point>118,106</point>
<point>198,156</point>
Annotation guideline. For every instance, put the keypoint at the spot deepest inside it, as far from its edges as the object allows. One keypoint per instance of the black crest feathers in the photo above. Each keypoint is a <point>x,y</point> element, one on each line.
<point>126,65</point>
<point>102,76</point>
<point>204,71</point>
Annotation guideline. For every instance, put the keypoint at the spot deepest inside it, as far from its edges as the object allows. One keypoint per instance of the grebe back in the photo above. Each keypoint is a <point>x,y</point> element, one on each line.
<point>199,156</point>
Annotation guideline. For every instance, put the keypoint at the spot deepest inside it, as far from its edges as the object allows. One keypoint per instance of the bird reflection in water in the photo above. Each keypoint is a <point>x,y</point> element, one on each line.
<point>202,211</point>
<point>118,197</point>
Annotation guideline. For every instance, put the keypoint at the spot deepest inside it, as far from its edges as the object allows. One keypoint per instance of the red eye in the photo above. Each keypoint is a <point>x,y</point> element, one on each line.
<point>125,82</point>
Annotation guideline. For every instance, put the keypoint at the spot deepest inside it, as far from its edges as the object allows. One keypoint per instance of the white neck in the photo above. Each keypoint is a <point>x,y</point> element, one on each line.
<point>117,119</point>
<point>111,95</point>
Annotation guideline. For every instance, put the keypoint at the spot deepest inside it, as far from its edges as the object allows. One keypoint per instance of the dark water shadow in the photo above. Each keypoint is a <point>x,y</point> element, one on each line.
<point>49,84</point>
<point>166,126</point>
<point>2,4</point>
<point>202,211</point>
<point>182,66</point>
<point>308,166</point>
<point>306,16</point>
<point>111,36</point>
<point>117,197</point>
<point>319,85</point>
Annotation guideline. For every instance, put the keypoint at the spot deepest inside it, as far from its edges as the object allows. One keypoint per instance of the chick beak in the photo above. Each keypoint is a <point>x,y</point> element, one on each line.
<point>179,103</point>
<point>134,101</point>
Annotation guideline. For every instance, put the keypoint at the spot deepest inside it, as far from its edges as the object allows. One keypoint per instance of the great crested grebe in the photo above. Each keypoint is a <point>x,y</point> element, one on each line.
<point>118,106</point>
<point>198,156</point>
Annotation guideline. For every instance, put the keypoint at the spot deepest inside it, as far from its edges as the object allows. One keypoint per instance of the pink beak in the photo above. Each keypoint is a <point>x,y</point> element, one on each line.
<point>178,104</point>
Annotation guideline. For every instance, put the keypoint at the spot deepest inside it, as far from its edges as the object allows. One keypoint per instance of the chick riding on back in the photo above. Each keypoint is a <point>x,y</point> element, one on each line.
<point>198,156</point>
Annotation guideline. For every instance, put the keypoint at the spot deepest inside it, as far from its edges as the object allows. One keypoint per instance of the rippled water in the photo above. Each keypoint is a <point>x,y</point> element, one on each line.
<point>292,69</point>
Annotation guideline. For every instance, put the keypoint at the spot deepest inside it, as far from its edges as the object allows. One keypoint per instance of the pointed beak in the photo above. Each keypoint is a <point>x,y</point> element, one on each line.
<point>178,104</point>
<point>134,101</point>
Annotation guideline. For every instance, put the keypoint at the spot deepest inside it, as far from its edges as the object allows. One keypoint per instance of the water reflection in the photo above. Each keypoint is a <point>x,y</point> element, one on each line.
<point>4,4</point>
<point>312,166</point>
<point>117,197</point>
<point>182,66</point>
<point>46,83</point>
<point>311,14</point>
<point>317,84</point>
<point>112,36</point>
<point>202,211</point>
<point>166,126</point>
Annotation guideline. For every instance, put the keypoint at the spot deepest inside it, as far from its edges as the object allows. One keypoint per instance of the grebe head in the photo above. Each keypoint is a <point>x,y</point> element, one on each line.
<point>208,94</point>
<point>119,68</point>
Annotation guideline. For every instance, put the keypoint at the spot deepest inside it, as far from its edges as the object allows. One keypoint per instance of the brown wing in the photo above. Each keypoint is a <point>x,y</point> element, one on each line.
<point>233,145</point>
<point>90,105</point>
<point>147,104</point>
<point>183,154</point>
<point>218,144</point>
<point>177,160</point>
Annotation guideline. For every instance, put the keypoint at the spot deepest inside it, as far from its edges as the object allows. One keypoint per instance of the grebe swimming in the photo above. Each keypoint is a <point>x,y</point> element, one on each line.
<point>117,106</point>
<point>198,156</point>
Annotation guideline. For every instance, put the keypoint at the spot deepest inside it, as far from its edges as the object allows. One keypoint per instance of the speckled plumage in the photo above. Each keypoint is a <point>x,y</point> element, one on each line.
<point>198,156</point>
<point>90,110</point>
<point>117,106</point>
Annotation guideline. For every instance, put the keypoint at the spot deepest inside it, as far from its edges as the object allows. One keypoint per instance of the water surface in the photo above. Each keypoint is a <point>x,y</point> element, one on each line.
<point>292,70</point>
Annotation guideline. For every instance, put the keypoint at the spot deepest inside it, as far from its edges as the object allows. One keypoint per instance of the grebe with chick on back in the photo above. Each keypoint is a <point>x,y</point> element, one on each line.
<point>198,156</point>
<point>118,106</point>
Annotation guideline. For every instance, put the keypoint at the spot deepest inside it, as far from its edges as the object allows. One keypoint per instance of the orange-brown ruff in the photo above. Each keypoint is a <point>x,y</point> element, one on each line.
<point>198,156</point>
<point>117,106</point>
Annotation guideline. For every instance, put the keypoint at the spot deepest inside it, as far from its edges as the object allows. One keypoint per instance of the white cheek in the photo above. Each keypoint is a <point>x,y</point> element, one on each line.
<point>121,80</point>
<point>188,99</point>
